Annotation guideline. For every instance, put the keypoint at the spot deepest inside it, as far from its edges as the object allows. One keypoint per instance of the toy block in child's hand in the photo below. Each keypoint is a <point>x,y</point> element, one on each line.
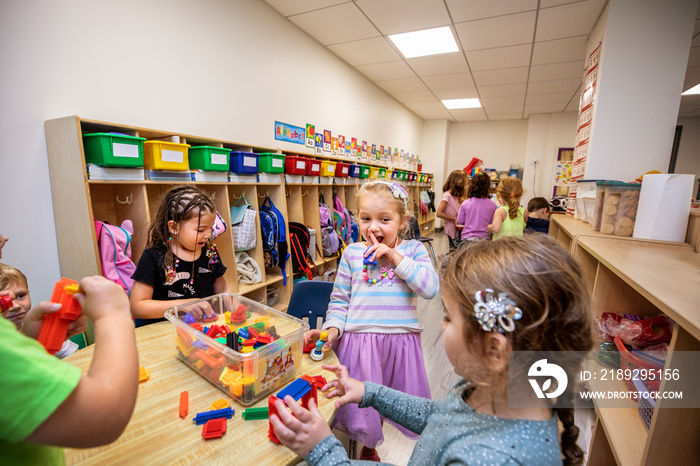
<point>55,327</point>
<point>5,302</point>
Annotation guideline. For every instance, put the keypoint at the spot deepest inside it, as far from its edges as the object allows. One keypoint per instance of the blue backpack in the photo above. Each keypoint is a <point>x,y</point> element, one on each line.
<point>274,239</point>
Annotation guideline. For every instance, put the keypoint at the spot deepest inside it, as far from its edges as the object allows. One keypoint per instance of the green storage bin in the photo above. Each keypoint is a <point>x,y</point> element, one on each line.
<point>208,158</point>
<point>382,173</point>
<point>269,162</point>
<point>404,176</point>
<point>113,150</point>
<point>364,171</point>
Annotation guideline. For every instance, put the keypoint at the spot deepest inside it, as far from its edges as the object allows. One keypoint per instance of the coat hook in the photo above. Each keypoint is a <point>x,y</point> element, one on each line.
<point>127,200</point>
<point>305,193</point>
<point>287,193</point>
<point>213,195</point>
<point>267,194</point>
<point>237,197</point>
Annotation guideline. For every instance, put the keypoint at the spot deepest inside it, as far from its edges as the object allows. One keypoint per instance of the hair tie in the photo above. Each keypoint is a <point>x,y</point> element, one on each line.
<point>512,195</point>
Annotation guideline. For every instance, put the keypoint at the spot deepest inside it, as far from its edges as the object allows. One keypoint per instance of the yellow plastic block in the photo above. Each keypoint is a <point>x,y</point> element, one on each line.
<point>71,289</point>
<point>227,317</point>
<point>220,404</point>
<point>236,389</point>
<point>247,349</point>
<point>265,319</point>
<point>143,374</point>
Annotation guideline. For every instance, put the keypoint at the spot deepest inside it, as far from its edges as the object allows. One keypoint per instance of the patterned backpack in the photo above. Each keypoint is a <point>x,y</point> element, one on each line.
<point>330,241</point>
<point>114,246</point>
<point>274,240</point>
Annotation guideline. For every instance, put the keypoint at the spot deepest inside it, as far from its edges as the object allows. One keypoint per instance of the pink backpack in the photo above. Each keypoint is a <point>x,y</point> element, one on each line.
<point>114,246</point>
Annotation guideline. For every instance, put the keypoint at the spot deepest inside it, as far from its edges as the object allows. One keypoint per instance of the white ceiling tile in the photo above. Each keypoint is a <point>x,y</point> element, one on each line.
<point>420,106</point>
<point>572,19</point>
<point>337,24</point>
<point>489,102</point>
<point>448,63</point>
<point>396,16</point>
<point>561,85</point>
<point>457,93</point>
<point>500,57</point>
<point>551,3</point>
<point>384,71</point>
<point>469,10</point>
<point>413,97</point>
<point>449,81</point>
<point>551,98</point>
<point>569,70</point>
<point>434,114</point>
<point>504,90</point>
<point>506,116</point>
<point>501,31</point>
<point>544,108</point>
<point>497,77</point>
<point>293,7</point>
<point>573,105</point>
<point>692,75</point>
<point>506,109</point>
<point>365,51</point>
<point>402,85</point>
<point>469,114</point>
<point>560,50</point>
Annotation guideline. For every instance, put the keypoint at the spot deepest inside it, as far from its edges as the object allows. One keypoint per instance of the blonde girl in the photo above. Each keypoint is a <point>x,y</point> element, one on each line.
<point>372,319</point>
<point>501,298</point>
<point>180,264</point>
<point>510,219</point>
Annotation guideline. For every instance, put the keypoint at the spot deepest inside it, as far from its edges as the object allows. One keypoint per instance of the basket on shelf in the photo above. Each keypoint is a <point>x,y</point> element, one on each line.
<point>645,403</point>
<point>628,360</point>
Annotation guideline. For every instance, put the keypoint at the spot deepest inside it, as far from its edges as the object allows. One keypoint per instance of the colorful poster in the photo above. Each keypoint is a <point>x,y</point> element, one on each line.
<point>326,141</point>
<point>365,147</point>
<point>319,144</point>
<point>341,146</point>
<point>562,175</point>
<point>334,147</point>
<point>353,147</point>
<point>289,133</point>
<point>310,132</point>
<point>348,149</point>
<point>374,152</point>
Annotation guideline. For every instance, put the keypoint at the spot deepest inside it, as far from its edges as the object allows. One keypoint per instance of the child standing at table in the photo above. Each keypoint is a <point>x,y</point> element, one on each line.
<point>47,403</point>
<point>476,212</point>
<point>372,320</point>
<point>13,284</point>
<point>510,219</point>
<point>180,264</point>
<point>502,299</point>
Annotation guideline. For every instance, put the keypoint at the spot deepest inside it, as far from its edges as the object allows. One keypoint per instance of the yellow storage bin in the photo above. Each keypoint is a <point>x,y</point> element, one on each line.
<point>389,174</point>
<point>327,168</point>
<point>164,155</point>
<point>374,172</point>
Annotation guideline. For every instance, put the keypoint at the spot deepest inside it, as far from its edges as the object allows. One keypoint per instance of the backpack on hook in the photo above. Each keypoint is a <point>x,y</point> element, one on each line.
<point>114,247</point>
<point>274,238</point>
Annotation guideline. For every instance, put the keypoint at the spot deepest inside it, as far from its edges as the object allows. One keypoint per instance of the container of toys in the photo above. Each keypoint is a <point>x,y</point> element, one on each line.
<point>247,349</point>
<point>620,208</point>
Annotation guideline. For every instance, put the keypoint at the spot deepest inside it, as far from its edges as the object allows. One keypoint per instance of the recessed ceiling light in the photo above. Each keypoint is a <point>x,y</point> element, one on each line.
<point>693,90</point>
<point>461,103</point>
<point>425,42</point>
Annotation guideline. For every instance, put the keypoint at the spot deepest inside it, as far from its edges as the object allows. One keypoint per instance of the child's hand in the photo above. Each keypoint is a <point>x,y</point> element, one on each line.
<point>201,311</point>
<point>34,318</point>
<point>378,250</point>
<point>100,298</point>
<point>303,432</point>
<point>313,335</point>
<point>349,390</point>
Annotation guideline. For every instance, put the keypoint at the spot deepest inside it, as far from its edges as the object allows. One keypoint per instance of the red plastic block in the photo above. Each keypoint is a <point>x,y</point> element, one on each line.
<point>214,428</point>
<point>312,393</point>
<point>184,403</point>
<point>197,326</point>
<point>5,302</point>
<point>239,315</point>
<point>55,327</point>
<point>319,381</point>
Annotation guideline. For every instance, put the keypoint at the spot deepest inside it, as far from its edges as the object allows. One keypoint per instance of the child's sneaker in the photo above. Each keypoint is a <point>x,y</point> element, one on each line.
<point>372,456</point>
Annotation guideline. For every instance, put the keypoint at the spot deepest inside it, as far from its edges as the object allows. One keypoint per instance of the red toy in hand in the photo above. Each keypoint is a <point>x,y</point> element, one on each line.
<point>5,302</point>
<point>55,327</point>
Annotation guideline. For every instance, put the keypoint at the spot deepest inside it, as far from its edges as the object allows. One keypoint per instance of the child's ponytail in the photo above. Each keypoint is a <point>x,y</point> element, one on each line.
<point>510,190</point>
<point>572,454</point>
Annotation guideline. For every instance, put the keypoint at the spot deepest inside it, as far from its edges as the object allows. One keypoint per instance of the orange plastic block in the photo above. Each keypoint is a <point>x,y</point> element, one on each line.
<point>214,428</point>
<point>184,403</point>
<point>55,326</point>
<point>143,374</point>
<point>220,404</point>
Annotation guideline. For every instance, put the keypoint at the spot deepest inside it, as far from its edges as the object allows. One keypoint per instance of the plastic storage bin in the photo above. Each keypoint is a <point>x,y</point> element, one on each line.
<point>374,172</point>
<point>620,208</point>
<point>355,170</point>
<point>243,162</point>
<point>585,200</point>
<point>598,207</point>
<point>313,167</point>
<point>364,171</point>
<point>113,150</point>
<point>269,162</point>
<point>208,158</point>
<point>327,168</point>
<point>295,165</point>
<point>342,170</point>
<point>382,173</point>
<point>164,155</point>
<point>245,376</point>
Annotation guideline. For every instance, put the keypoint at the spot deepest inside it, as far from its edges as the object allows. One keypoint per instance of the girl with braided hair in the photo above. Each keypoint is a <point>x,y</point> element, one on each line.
<point>180,263</point>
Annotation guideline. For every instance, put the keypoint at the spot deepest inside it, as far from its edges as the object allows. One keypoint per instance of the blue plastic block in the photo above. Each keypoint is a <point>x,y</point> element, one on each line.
<point>202,418</point>
<point>296,390</point>
<point>366,261</point>
<point>189,319</point>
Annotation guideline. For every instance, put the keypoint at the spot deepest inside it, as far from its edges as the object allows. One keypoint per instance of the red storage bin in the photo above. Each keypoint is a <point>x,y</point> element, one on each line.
<point>342,170</point>
<point>295,165</point>
<point>313,167</point>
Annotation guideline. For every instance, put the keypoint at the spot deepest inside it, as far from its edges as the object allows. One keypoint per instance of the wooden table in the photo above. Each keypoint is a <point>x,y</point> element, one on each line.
<point>157,435</point>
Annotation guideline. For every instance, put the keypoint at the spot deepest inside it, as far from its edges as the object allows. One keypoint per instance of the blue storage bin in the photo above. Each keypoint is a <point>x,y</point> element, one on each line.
<point>243,162</point>
<point>355,170</point>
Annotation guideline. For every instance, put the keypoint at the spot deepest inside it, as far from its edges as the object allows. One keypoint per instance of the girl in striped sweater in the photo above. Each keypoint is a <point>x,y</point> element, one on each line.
<point>372,321</point>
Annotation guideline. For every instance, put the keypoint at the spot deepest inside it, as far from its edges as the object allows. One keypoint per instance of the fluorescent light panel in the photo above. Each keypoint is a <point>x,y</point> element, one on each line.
<point>693,90</point>
<point>461,103</point>
<point>425,42</point>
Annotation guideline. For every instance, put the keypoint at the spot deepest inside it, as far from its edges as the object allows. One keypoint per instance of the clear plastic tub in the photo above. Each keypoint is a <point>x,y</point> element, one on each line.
<point>245,376</point>
<point>598,206</point>
<point>620,208</point>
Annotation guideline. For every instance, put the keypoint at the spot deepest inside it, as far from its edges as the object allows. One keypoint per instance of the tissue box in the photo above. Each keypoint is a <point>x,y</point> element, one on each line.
<point>247,375</point>
<point>620,208</point>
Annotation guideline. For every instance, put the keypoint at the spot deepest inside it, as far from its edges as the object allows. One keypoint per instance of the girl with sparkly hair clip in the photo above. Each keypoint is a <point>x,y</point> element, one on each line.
<point>515,295</point>
<point>181,264</point>
<point>372,320</point>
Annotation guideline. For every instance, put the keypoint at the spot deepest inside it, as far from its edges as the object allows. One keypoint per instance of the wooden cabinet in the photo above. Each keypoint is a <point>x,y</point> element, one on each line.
<point>628,275</point>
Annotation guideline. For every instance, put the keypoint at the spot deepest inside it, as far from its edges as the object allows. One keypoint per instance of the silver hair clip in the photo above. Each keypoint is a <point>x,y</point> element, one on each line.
<point>495,312</point>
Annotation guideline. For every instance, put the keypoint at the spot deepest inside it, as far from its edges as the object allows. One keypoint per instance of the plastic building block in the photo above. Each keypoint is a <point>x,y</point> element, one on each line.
<point>197,326</point>
<point>220,404</point>
<point>189,319</point>
<point>144,374</point>
<point>366,261</point>
<point>252,414</point>
<point>296,389</point>
<point>5,302</point>
<point>214,428</point>
<point>202,418</point>
<point>211,318</point>
<point>55,326</point>
<point>319,381</point>
<point>303,388</point>
<point>184,403</point>
<point>239,315</point>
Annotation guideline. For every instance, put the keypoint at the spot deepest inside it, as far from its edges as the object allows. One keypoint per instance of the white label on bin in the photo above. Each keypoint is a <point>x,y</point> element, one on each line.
<point>171,156</point>
<point>249,161</point>
<point>277,163</point>
<point>331,169</point>
<point>345,170</point>
<point>315,167</point>
<point>301,165</point>
<point>218,159</point>
<point>125,150</point>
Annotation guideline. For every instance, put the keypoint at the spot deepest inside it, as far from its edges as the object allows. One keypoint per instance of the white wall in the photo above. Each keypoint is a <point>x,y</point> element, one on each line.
<point>214,68</point>
<point>688,160</point>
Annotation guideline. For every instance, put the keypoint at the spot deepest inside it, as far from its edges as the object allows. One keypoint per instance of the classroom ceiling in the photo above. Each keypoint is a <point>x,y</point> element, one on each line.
<point>518,57</point>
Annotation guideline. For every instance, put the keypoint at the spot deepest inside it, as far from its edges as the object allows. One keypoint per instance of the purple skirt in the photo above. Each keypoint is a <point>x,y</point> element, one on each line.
<point>394,360</point>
